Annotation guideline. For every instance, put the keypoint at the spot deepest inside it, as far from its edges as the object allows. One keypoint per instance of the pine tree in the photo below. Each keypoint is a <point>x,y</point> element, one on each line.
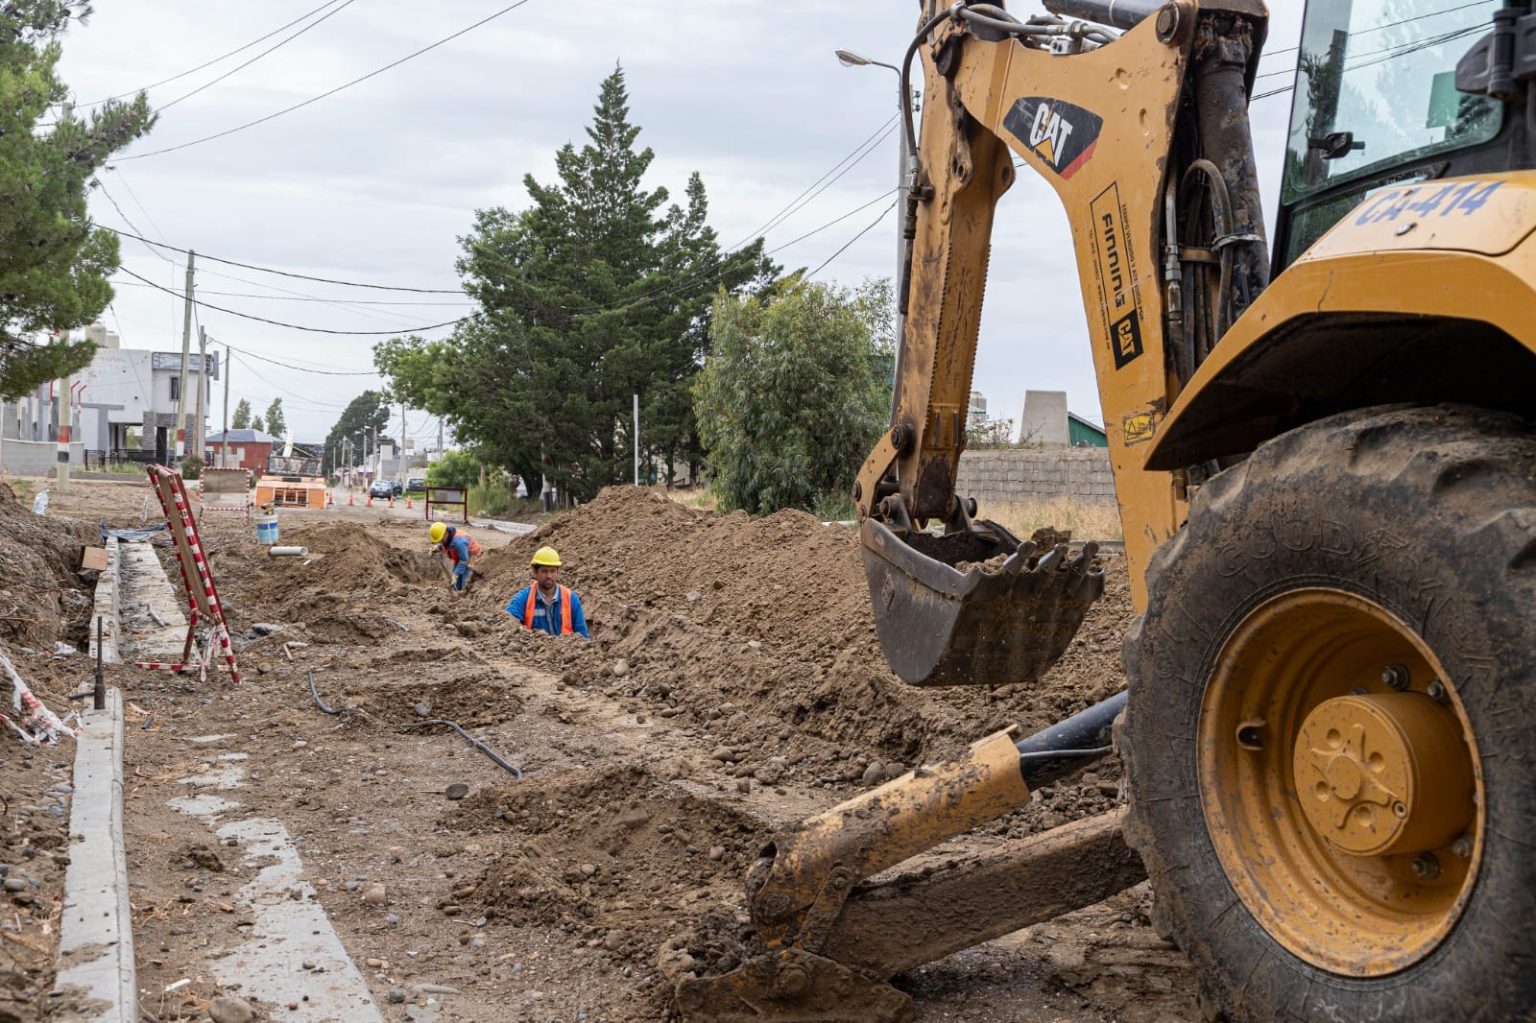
<point>241,420</point>
<point>257,426</point>
<point>595,292</point>
<point>367,412</point>
<point>54,264</point>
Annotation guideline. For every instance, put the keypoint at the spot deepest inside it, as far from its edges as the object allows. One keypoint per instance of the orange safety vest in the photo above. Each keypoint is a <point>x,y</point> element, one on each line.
<point>564,596</point>
<point>453,555</point>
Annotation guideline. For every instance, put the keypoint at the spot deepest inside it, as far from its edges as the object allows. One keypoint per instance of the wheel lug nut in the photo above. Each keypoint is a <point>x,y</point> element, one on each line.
<point>1463,847</point>
<point>1426,867</point>
<point>1436,691</point>
<point>1395,676</point>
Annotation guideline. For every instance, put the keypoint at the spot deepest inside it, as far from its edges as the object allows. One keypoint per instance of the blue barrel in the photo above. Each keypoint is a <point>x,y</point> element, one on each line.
<point>266,529</point>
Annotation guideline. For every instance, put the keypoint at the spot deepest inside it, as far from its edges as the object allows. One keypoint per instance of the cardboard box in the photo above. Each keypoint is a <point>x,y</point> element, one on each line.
<point>93,559</point>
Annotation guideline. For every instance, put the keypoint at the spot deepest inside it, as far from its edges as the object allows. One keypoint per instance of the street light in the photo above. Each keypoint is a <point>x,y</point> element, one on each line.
<point>903,185</point>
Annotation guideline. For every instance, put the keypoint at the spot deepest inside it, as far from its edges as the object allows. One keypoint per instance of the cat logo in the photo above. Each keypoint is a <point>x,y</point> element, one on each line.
<point>1060,133</point>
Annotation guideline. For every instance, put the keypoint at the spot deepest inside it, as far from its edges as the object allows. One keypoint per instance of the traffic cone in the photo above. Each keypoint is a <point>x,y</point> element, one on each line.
<point>330,499</point>
<point>370,500</point>
<point>391,500</point>
<point>408,504</point>
<point>351,499</point>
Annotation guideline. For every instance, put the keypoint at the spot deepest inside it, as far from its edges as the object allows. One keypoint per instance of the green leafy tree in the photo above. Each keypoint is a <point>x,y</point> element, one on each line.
<point>54,264</point>
<point>241,420</point>
<point>257,425</point>
<point>794,393</point>
<point>596,292</point>
<point>454,469</point>
<point>277,426</point>
<point>367,412</point>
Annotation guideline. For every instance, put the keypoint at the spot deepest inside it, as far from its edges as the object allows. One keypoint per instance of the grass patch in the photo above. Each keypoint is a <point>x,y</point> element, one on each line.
<point>692,497</point>
<point>1088,520</point>
<point>496,501</point>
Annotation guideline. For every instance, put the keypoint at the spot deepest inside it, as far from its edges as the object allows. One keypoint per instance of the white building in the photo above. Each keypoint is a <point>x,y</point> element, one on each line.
<point>134,388</point>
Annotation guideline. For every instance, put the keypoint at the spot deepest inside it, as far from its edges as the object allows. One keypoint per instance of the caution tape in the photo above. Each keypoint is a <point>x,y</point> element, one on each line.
<point>38,724</point>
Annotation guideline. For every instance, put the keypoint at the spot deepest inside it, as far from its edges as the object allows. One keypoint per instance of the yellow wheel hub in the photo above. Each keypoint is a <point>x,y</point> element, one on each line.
<point>1380,774</point>
<point>1339,782</point>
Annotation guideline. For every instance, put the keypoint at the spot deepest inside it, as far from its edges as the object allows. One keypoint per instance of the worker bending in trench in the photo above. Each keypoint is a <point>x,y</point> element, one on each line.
<point>544,604</point>
<point>458,547</point>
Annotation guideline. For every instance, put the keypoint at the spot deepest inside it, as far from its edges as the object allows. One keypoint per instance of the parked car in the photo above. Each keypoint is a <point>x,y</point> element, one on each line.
<point>416,483</point>
<point>381,488</point>
<point>397,487</point>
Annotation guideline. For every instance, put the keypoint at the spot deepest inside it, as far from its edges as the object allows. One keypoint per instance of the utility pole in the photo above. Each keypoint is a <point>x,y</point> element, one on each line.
<point>439,436</point>
<point>401,474</point>
<point>224,455</point>
<point>202,385</point>
<point>186,357</point>
<point>637,438</point>
<point>63,433</point>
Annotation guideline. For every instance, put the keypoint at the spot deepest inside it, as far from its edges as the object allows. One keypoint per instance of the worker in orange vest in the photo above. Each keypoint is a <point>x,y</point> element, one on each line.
<point>458,547</point>
<point>544,604</point>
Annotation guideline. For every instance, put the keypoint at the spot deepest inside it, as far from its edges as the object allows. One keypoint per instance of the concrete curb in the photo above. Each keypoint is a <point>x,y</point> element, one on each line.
<point>108,605</point>
<point>96,926</point>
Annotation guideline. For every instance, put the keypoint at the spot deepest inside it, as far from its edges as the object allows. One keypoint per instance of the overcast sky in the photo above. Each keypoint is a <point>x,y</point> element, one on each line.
<point>376,183</point>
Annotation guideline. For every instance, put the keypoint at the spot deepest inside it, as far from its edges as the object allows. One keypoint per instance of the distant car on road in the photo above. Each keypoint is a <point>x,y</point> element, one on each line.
<point>416,483</point>
<point>382,488</point>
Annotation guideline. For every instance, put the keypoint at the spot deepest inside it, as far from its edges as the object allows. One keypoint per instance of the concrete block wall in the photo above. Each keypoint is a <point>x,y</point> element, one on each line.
<point>37,458</point>
<point>1033,474</point>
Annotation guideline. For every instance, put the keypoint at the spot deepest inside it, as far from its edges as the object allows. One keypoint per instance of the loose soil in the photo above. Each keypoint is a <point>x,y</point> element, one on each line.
<point>733,685</point>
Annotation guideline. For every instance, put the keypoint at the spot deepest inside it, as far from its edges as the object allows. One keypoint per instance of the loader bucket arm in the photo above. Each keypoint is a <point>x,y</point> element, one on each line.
<point>1099,126</point>
<point>831,939</point>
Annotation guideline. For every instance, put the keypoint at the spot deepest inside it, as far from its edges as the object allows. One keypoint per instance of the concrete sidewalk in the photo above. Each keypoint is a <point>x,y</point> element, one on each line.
<point>96,966</point>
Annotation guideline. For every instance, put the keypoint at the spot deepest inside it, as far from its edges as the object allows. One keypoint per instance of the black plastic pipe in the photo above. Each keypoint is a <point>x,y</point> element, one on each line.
<point>1064,747</point>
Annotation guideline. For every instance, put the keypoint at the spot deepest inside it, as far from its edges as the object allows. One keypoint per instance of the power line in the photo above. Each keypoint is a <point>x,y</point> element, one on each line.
<point>295,326</point>
<point>781,214</point>
<point>301,369</point>
<point>297,297</point>
<point>153,252</point>
<point>1396,50</point>
<point>834,179</point>
<point>873,224</point>
<point>286,273</point>
<point>210,63</point>
<point>241,67</point>
<point>330,92</point>
<point>299,400</point>
<point>1402,51</point>
<point>1391,24</point>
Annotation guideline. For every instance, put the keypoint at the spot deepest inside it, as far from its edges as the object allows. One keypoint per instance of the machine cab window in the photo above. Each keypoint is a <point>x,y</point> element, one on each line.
<point>1376,102</point>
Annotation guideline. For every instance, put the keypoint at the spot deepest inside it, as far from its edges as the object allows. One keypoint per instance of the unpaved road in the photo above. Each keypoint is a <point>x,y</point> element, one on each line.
<point>733,685</point>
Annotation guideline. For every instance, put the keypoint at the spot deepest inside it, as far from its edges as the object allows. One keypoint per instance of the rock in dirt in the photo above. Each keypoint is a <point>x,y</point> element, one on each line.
<point>230,1010</point>
<point>375,895</point>
<point>197,856</point>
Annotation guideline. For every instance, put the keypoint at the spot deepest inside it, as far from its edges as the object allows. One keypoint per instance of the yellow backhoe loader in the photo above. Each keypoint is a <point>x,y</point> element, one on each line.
<point>1327,482</point>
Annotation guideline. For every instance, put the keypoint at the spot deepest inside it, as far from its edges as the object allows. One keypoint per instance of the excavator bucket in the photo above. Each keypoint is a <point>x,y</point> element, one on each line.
<point>975,606</point>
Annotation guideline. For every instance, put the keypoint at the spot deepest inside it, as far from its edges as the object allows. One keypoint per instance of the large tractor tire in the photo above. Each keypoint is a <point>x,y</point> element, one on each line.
<point>1331,730</point>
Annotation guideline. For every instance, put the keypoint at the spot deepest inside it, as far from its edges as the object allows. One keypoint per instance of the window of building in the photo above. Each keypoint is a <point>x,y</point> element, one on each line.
<point>175,388</point>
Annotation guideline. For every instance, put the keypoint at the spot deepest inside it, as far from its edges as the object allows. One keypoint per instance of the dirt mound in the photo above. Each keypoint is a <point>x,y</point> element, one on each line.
<point>42,599</point>
<point>346,565</point>
<point>760,627</point>
<point>472,696</point>
<point>651,855</point>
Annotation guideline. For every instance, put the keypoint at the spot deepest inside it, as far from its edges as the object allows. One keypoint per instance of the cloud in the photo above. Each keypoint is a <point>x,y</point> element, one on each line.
<point>377,183</point>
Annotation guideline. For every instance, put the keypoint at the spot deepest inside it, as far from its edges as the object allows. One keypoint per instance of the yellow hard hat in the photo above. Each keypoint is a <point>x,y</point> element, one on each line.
<point>437,531</point>
<point>546,556</point>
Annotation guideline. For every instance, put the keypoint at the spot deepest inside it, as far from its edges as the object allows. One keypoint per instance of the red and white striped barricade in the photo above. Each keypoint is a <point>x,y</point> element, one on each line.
<point>202,597</point>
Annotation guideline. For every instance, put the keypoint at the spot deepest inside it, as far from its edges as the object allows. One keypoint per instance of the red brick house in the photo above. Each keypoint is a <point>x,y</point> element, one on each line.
<point>248,449</point>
